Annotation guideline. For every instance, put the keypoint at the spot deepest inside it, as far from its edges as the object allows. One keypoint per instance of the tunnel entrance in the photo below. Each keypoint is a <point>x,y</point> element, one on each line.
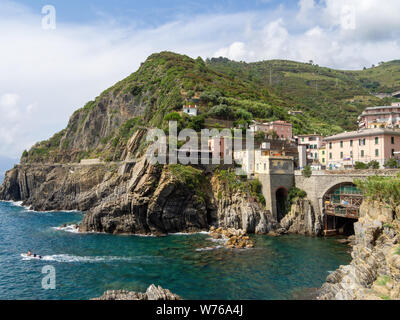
<point>281,206</point>
<point>339,226</point>
<point>341,207</point>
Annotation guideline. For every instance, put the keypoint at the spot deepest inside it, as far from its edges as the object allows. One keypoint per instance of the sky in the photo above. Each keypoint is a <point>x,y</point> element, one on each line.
<point>48,70</point>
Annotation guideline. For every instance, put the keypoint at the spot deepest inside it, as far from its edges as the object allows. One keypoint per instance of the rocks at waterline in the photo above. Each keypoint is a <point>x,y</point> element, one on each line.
<point>236,239</point>
<point>152,293</point>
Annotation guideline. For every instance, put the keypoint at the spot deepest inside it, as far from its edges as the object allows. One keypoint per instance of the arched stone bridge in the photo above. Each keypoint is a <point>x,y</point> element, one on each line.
<point>318,185</point>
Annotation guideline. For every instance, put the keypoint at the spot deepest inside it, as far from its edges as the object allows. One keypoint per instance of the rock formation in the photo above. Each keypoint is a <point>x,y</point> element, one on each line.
<point>134,197</point>
<point>374,272</point>
<point>152,293</point>
<point>302,219</point>
<point>235,239</point>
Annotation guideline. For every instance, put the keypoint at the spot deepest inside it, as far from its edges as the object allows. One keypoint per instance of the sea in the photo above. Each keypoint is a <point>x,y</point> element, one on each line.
<point>194,266</point>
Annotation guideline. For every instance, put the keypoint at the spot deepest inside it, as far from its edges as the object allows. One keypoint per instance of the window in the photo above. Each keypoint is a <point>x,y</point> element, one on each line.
<point>302,139</point>
<point>311,155</point>
<point>330,155</point>
<point>376,152</point>
<point>351,143</point>
<point>341,144</point>
<point>392,140</point>
<point>265,166</point>
<point>323,160</point>
<point>330,145</point>
<point>341,155</point>
<point>376,140</point>
<point>323,152</point>
<point>392,152</point>
<point>316,155</point>
<point>315,146</point>
<point>362,153</point>
<point>351,154</point>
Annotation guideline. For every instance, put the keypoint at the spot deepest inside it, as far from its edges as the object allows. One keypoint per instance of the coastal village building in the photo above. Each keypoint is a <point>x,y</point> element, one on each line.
<point>283,129</point>
<point>220,146</point>
<point>313,143</point>
<point>322,158</point>
<point>377,144</point>
<point>190,110</point>
<point>380,117</point>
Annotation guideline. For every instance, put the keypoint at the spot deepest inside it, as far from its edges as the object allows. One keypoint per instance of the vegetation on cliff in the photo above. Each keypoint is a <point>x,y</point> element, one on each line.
<point>226,92</point>
<point>234,183</point>
<point>382,189</point>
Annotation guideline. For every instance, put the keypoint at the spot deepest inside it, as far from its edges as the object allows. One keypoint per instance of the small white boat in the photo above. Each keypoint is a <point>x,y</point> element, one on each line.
<point>31,257</point>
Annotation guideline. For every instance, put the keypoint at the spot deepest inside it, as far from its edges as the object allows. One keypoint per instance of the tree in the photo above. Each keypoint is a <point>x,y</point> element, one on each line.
<point>272,134</point>
<point>259,136</point>
<point>307,172</point>
<point>222,111</point>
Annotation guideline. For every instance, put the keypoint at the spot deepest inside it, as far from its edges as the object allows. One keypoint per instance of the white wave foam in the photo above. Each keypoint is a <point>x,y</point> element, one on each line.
<point>221,240</point>
<point>72,228</point>
<point>210,248</point>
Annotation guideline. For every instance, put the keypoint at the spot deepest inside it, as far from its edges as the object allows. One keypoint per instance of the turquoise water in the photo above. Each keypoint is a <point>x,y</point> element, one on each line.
<point>88,264</point>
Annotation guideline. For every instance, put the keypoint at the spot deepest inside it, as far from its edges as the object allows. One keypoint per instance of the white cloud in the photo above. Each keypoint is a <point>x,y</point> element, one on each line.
<point>46,75</point>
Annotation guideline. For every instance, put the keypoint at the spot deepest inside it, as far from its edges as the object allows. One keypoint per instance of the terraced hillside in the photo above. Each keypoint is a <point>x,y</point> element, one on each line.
<point>225,91</point>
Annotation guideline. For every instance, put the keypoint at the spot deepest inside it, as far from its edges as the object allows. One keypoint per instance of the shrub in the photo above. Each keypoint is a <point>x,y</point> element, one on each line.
<point>382,189</point>
<point>360,166</point>
<point>391,163</point>
<point>373,165</point>
<point>307,172</point>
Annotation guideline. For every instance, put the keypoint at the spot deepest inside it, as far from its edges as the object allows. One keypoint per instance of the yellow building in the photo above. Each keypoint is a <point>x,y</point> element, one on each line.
<point>322,155</point>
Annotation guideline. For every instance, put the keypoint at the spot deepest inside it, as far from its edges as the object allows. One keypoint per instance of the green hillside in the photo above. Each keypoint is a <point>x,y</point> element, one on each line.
<point>227,93</point>
<point>332,96</point>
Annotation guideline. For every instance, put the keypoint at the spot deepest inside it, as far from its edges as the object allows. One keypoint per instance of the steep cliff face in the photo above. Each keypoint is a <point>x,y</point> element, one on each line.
<point>236,209</point>
<point>374,272</point>
<point>134,197</point>
<point>302,219</point>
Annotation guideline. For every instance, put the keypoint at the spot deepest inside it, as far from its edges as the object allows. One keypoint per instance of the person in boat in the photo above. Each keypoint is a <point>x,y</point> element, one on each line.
<point>30,254</point>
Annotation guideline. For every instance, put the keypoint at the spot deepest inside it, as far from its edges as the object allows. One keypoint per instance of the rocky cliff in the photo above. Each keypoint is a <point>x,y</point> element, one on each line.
<point>302,219</point>
<point>374,272</point>
<point>134,197</point>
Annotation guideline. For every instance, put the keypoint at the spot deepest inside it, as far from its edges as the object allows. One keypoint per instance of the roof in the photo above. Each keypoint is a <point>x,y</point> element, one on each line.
<point>190,107</point>
<point>362,133</point>
<point>309,135</point>
<point>381,107</point>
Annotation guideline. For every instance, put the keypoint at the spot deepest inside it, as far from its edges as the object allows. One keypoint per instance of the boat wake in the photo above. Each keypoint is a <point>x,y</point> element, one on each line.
<point>67,258</point>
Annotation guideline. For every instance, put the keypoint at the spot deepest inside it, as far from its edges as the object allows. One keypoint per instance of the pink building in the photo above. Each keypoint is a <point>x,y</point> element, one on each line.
<point>345,149</point>
<point>380,117</point>
<point>284,129</point>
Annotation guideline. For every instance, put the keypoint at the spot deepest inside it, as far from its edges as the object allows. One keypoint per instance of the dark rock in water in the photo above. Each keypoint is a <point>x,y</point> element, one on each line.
<point>152,293</point>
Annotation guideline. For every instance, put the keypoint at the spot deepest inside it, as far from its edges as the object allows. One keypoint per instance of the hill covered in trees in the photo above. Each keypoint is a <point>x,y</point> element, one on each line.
<point>227,92</point>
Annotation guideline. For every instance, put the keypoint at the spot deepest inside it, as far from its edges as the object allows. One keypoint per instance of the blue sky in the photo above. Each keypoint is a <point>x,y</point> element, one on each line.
<point>149,12</point>
<point>48,74</point>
